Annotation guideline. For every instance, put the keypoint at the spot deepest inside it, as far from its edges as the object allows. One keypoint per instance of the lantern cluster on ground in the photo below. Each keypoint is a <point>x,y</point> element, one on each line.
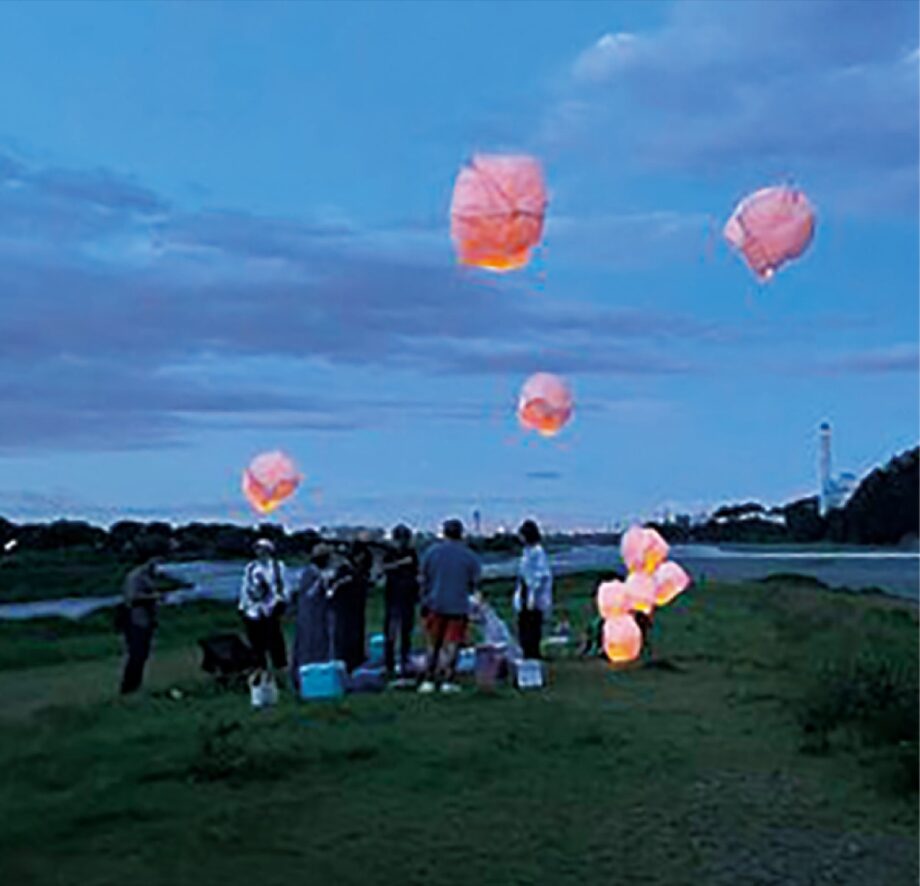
<point>653,581</point>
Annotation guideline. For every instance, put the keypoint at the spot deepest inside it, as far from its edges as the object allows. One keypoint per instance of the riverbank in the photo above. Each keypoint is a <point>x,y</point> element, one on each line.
<point>728,765</point>
<point>37,582</point>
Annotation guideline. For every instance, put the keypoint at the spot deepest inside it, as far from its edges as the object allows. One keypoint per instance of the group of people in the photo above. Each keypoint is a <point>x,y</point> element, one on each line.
<point>328,604</point>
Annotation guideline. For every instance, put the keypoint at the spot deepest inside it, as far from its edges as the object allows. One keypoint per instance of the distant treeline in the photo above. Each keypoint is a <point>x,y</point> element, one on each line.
<point>884,510</point>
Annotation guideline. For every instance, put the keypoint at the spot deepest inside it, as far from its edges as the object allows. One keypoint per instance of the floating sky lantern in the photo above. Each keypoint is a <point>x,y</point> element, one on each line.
<point>670,580</point>
<point>622,639</point>
<point>270,479</point>
<point>770,227</point>
<point>497,211</point>
<point>545,404</point>
<point>643,550</point>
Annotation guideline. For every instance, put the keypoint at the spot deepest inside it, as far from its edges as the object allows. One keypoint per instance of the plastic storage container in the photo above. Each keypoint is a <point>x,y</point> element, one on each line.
<point>466,661</point>
<point>322,680</point>
<point>528,673</point>
<point>491,664</point>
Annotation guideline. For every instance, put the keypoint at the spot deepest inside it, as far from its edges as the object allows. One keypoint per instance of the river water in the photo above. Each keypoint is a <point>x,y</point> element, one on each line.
<point>895,572</point>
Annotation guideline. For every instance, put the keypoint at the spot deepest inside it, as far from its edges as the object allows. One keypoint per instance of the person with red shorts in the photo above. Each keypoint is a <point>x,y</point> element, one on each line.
<point>449,574</point>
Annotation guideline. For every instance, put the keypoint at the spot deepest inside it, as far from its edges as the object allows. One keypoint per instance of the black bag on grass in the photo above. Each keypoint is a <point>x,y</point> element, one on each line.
<point>226,655</point>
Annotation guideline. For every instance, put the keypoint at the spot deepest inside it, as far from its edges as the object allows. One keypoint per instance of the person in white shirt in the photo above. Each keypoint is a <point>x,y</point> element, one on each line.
<point>533,596</point>
<point>262,602</point>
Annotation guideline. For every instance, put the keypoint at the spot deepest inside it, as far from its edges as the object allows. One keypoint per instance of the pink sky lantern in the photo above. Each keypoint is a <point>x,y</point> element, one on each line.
<point>622,639</point>
<point>770,227</point>
<point>270,479</point>
<point>640,592</point>
<point>497,211</point>
<point>545,404</point>
<point>670,580</point>
<point>612,599</point>
<point>643,550</point>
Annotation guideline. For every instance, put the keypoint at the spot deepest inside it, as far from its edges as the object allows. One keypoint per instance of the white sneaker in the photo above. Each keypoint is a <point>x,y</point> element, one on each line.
<point>449,688</point>
<point>426,687</point>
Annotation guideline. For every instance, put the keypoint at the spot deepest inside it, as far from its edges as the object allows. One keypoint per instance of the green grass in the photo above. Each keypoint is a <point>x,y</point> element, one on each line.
<point>697,775</point>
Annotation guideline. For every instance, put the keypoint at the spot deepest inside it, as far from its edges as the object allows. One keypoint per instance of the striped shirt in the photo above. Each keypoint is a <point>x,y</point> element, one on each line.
<point>263,588</point>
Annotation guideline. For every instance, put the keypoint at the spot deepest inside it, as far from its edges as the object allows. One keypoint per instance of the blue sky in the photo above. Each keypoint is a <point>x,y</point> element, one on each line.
<point>223,229</point>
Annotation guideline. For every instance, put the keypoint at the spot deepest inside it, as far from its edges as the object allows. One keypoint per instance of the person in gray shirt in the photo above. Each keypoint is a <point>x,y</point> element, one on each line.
<point>449,574</point>
<point>139,620</point>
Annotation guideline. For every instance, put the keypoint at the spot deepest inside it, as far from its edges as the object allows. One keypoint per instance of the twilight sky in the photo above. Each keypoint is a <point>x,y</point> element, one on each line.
<point>224,229</point>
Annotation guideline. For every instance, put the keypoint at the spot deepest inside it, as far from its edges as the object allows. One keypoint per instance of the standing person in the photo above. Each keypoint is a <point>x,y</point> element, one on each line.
<point>449,576</point>
<point>400,566</point>
<point>311,613</point>
<point>139,620</point>
<point>533,596</point>
<point>344,594</point>
<point>362,563</point>
<point>262,601</point>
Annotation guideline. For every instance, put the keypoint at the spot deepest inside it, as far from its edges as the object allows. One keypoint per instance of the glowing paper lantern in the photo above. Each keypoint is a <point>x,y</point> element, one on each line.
<point>640,592</point>
<point>770,227</point>
<point>622,639</point>
<point>270,478</point>
<point>612,599</point>
<point>670,580</point>
<point>496,215</point>
<point>643,550</point>
<point>545,404</point>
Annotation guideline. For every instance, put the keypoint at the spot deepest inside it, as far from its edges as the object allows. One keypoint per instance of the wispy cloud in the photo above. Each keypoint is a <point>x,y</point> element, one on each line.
<point>111,297</point>
<point>894,358</point>
<point>823,90</point>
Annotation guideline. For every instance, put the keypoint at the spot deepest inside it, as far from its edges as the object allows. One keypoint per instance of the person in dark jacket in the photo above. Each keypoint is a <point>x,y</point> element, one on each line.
<point>400,566</point>
<point>141,595</point>
<point>311,604</point>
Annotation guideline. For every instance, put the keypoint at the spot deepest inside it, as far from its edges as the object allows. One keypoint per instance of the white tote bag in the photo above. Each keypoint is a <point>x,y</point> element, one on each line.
<point>263,690</point>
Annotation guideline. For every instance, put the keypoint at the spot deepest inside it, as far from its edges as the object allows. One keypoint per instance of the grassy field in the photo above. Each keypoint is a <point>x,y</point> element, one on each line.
<point>764,743</point>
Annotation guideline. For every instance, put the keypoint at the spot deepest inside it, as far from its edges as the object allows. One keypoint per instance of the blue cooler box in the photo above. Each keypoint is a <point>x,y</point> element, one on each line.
<point>322,680</point>
<point>375,650</point>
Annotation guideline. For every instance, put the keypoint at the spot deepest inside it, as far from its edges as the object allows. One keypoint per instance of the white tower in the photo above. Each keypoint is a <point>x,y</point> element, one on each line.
<point>824,466</point>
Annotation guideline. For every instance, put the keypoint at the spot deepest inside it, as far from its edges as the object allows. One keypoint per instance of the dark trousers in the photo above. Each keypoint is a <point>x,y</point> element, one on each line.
<point>138,640</point>
<point>266,639</point>
<point>348,627</point>
<point>398,621</point>
<point>530,629</point>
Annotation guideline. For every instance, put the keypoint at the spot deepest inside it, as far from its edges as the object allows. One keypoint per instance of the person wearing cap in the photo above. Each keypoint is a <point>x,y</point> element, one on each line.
<point>449,576</point>
<point>312,612</point>
<point>400,566</point>
<point>262,601</point>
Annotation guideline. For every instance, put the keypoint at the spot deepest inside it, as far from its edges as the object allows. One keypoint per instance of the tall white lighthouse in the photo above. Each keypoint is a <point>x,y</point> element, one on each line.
<point>825,482</point>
